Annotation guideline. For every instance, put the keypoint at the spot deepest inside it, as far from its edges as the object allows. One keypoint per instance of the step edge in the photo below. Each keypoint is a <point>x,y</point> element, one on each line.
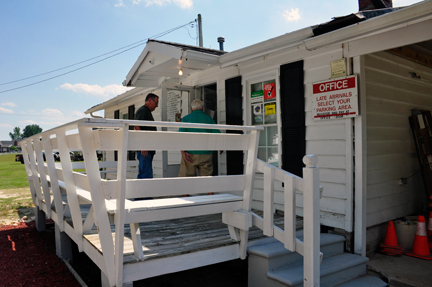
<point>359,260</point>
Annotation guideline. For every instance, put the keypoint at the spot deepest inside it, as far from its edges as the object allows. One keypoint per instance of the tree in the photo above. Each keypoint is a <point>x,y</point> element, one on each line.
<point>16,135</point>
<point>30,130</point>
<point>13,148</point>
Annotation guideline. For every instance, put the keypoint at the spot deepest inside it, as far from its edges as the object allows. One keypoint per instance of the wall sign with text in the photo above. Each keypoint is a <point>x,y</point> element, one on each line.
<point>335,99</point>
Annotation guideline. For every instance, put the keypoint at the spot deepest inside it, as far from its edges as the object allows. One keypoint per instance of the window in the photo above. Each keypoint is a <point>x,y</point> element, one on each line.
<point>263,107</point>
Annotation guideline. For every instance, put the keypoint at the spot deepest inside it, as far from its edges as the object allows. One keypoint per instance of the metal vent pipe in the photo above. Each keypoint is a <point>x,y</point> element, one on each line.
<point>221,40</point>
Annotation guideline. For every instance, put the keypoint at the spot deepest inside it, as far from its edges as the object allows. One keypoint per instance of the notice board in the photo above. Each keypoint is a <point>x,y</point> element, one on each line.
<point>335,99</point>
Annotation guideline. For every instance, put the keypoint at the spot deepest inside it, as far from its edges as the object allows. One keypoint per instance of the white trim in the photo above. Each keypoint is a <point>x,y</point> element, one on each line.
<point>360,180</point>
<point>262,76</point>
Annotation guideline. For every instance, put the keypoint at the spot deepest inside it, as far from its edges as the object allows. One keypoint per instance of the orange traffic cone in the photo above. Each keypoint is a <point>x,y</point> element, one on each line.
<point>420,246</point>
<point>429,231</point>
<point>391,246</point>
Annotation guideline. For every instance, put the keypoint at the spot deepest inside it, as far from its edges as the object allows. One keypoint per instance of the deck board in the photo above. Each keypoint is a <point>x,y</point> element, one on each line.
<point>179,236</point>
<point>175,237</point>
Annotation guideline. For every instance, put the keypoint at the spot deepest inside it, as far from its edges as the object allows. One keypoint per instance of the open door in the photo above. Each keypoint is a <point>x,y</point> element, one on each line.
<point>176,100</point>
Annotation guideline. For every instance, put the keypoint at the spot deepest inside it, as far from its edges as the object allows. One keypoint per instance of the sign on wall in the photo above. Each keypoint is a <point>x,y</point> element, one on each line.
<point>335,99</point>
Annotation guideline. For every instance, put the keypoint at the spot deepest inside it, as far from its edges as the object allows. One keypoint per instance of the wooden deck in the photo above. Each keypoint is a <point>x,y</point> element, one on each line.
<point>133,240</point>
<point>179,236</point>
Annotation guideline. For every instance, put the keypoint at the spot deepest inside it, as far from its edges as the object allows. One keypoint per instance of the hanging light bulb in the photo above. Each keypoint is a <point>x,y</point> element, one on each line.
<point>180,72</point>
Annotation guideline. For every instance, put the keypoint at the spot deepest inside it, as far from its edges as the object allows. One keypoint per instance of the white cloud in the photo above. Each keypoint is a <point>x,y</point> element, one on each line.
<point>106,92</point>
<point>78,114</point>
<point>119,4</point>
<point>184,4</point>
<point>9,104</point>
<point>52,112</point>
<point>6,126</point>
<point>292,15</point>
<point>6,111</point>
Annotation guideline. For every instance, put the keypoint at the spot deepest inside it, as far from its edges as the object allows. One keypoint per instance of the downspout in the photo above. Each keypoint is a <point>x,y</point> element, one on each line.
<point>96,117</point>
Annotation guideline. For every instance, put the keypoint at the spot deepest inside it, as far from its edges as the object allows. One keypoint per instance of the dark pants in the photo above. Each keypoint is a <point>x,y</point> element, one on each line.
<point>145,169</point>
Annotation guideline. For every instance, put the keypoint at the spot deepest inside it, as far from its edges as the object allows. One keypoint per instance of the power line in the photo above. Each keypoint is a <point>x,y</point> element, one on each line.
<point>137,44</point>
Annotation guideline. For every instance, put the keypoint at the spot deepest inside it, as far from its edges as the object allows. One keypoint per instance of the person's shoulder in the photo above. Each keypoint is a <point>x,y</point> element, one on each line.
<point>186,118</point>
<point>140,109</point>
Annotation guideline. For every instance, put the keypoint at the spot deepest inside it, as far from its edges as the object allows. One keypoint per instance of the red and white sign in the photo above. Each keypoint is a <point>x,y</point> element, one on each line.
<point>269,91</point>
<point>335,99</point>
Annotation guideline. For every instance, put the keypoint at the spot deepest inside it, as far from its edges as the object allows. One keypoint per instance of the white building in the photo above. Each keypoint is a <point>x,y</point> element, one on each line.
<point>361,156</point>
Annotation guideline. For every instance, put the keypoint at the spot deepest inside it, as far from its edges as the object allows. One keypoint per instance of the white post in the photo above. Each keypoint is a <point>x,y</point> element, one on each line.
<point>311,217</point>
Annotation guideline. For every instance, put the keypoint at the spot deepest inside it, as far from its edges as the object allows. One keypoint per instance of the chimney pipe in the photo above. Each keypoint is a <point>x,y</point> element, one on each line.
<point>221,40</point>
<point>374,4</point>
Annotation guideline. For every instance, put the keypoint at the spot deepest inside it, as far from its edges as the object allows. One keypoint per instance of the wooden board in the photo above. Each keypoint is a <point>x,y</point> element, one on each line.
<point>179,236</point>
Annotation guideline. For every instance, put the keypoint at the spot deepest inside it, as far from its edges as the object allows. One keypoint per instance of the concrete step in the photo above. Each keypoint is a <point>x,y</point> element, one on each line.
<point>277,256</point>
<point>334,270</point>
<point>364,281</point>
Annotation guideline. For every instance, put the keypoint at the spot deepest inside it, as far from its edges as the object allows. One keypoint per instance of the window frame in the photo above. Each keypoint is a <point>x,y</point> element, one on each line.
<point>248,81</point>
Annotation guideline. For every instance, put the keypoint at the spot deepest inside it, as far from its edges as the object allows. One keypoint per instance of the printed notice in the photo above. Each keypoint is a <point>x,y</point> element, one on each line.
<point>269,91</point>
<point>270,109</point>
<point>257,96</point>
<point>335,99</point>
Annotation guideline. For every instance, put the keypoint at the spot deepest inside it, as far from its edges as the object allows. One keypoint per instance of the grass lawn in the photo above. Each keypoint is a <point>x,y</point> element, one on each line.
<point>12,173</point>
<point>14,188</point>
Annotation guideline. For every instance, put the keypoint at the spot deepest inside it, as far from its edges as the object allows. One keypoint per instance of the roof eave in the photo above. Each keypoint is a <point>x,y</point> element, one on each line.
<point>269,46</point>
<point>387,22</point>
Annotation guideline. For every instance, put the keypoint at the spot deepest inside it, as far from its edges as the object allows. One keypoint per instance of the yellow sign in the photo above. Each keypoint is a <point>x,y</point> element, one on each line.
<point>270,109</point>
<point>338,68</point>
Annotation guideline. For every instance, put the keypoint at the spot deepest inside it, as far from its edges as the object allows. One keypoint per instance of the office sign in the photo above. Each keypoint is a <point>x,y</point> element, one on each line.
<point>335,99</point>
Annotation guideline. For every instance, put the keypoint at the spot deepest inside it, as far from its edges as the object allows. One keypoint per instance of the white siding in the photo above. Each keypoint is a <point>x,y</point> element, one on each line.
<point>391,95</point>
<point>330,140</point>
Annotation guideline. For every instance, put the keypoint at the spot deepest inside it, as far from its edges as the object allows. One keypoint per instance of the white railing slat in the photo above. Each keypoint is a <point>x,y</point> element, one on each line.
<point>98,198</point>
<point>70,187</point>
<point>42,176</point>
<point>137,188</point>
<point>54,181</point>
<point>289,213</point>
<point>268,200</point>
<point>120,197</point>
<point>24,146</point>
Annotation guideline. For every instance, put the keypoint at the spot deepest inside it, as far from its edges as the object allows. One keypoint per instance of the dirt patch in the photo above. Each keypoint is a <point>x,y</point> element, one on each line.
<point>16,206</point>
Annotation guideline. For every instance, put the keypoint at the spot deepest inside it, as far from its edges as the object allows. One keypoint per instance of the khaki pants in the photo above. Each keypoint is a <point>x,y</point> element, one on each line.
<point>202,162</point>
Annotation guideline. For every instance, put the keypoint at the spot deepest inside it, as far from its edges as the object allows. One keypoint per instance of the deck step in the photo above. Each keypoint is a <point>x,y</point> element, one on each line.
<point>271,264</point>
<point>277,256</point>
<point>335,270</point>
<point>364,281</point>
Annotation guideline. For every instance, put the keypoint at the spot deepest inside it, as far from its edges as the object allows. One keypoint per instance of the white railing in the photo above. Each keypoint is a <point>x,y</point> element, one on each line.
<point>309,186</point>
<point>110,200</point>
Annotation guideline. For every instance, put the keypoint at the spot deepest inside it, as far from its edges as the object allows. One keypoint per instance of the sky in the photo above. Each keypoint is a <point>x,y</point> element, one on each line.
<point>42,42</point>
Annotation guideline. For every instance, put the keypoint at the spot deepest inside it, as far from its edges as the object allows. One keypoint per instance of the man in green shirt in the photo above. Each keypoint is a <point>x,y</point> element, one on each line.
<point>197,159</point>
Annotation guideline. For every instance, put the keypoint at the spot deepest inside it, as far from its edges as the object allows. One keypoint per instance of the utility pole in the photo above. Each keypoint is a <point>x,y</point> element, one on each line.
<point>200,30</point>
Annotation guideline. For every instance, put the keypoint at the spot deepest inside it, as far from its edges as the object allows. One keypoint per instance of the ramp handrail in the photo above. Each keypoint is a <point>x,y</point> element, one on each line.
<point>309,248</point>
<point>109,199</point>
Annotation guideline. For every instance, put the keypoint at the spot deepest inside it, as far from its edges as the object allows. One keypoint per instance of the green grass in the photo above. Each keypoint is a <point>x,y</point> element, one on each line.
<point>12,173</point>
<point>11,205</point>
